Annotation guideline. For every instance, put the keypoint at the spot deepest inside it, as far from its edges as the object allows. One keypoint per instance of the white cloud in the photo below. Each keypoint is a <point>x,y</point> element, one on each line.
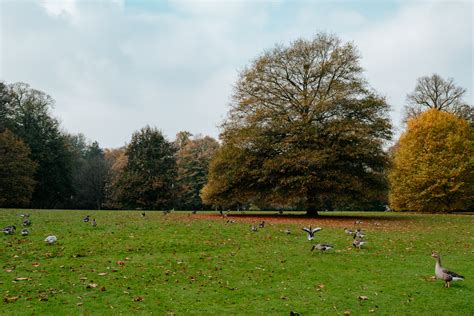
<point>113,69</point>
<point>419,40</point>
<point>60,7</point>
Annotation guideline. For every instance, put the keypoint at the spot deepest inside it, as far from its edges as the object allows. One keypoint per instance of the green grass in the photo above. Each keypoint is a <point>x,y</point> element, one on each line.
<point>199,266</point>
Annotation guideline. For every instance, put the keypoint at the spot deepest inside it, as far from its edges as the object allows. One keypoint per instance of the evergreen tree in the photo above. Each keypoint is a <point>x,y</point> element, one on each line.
<point>147,180</point>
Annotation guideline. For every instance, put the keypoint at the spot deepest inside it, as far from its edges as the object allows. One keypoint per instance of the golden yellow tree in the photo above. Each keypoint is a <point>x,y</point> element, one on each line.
<point>433,165</point>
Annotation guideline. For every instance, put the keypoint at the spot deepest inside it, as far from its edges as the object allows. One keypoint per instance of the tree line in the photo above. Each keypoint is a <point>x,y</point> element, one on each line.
<point>305,131</point>
<point>42,166</point>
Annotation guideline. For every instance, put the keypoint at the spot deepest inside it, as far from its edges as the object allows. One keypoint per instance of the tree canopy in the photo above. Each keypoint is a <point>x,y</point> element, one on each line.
<point>434,92</point>
<point>304,129</point>
<point>16,171</point>
<point>192,161</point>
<point>147,180</point>
<point>26,112</point>
<point>433,167</point>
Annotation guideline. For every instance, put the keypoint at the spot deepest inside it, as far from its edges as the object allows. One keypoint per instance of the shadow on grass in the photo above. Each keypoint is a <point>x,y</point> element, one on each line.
<point>343,216</point>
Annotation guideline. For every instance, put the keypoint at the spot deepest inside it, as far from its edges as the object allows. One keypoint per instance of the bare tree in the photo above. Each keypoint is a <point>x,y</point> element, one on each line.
<point>436,93</point>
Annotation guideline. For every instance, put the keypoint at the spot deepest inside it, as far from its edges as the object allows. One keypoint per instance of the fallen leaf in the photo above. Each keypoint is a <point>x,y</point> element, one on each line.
<point>102,289</point>
<point>22,279</point>
<point>103,273</point>
<point>347,312</point>
<point>363,298</point>
<point>10,299</point>
<point>120,263</point>
<point>43,296</point>
<point>170,314</point>
<point>36,264</point>
<point>91,286</point>
<point>372,310</point>
<point>8,270</point>
<point>79,304</point>
<point>139,299</point>
<point>83,278</point>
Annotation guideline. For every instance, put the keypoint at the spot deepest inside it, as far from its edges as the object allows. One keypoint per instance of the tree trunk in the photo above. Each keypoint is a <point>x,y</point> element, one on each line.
<point>312,212</point>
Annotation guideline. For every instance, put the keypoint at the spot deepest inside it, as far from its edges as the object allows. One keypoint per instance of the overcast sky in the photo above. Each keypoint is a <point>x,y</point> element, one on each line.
<point>116,66</point>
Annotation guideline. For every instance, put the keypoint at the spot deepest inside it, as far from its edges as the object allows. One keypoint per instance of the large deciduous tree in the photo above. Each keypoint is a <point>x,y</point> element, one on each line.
<point>16,171</point>
<point>437,93</point>
<point>192,160</point>
<point>304,129</point>
<point>147,180</point>
<point>433,167</point>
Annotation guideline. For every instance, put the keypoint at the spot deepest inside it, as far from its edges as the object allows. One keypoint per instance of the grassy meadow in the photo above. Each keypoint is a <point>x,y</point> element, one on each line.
<point>198,264</point>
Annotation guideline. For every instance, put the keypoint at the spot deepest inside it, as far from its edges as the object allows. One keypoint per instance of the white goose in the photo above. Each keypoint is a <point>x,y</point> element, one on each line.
<point>51,239</point>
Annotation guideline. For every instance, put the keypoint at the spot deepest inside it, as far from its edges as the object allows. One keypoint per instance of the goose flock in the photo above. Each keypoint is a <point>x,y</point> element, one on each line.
<point>51,239</point>
<point>358,235</point>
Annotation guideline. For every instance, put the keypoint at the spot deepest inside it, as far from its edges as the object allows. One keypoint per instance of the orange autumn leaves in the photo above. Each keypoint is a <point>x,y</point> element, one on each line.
<point>433,165</point>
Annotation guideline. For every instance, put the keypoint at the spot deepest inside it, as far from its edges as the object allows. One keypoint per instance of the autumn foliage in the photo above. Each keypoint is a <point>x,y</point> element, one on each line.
<point>433,165</point>
<point>16,171</point>
<point>304,131</point>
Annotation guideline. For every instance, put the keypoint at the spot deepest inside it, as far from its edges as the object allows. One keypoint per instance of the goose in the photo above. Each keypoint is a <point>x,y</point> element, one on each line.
<point>445,274</point>
<point>94,223</point>
<point>311,232</point>
<point>9,230</point>
<point>143,214</point>
<point>322,247</point>
<point>26,222</point>
<point>253,228</point>
<point>359,233</point>
<point>86,219</point>
<point>25,232</point>
<point>262,224</point>
<point>51,239</point>
<point>348,231</point>
<point>358,243</point>
<point>25,215</point>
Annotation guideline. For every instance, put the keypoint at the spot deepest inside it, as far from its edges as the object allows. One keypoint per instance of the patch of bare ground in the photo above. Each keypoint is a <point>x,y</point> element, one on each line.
<point>377,222</point>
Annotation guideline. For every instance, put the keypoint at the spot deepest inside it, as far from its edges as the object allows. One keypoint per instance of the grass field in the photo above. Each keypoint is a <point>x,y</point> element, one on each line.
<point>191,264</point>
